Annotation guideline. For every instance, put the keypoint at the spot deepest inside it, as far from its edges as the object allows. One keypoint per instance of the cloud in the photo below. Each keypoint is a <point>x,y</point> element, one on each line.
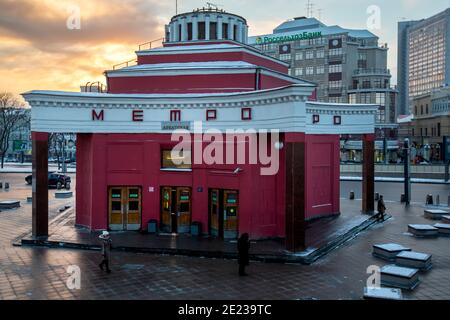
<point>44,24</point>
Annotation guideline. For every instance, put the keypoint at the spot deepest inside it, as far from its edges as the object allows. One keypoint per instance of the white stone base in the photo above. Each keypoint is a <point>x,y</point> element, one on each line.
<point>416,260</point>
<point>388,251</point>
<point>399,277</point>
<point>382,294</point>
<point>434,214</point>
<point>423,230</point>
<point>443,229</point>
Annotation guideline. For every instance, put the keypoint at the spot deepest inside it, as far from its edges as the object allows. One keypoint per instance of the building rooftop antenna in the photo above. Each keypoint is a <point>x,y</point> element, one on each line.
<point>211,6</point>
<point>319,14</point>
<point>309,9</point>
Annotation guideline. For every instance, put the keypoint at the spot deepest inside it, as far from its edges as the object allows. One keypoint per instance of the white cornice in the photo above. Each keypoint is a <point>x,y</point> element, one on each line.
<point>199,49</point>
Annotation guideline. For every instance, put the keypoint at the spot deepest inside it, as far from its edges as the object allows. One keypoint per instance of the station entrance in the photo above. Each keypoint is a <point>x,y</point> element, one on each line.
<point>223,213</point>
<point>175,209</point>
<point>124,206</point>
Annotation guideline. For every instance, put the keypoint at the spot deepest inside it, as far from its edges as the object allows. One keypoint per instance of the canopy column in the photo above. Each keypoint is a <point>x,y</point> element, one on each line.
<point>368,174</point>
<point>40,184</point>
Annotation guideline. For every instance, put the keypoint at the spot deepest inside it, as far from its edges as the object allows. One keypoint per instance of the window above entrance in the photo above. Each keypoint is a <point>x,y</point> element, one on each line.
<point>181,161</point>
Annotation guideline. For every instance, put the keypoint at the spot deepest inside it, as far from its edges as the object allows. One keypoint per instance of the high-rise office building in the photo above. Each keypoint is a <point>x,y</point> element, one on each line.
<point>423,57</point>
<point>349,66</point>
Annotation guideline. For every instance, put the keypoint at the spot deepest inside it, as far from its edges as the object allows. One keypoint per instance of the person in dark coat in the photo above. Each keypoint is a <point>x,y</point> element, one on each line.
<point>381,207</point>
<point>243,246</point>
<point>106,250</point>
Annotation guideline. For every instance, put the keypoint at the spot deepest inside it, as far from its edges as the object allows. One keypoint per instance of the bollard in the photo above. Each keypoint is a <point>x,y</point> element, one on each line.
<point>377,196</point>
<point>1,185</point>
<point>6,185</point>
<point>402,198</point>
<point>448,201</point>
<point>429,200</point>
<point>352,195</point>
<point>438,201</point>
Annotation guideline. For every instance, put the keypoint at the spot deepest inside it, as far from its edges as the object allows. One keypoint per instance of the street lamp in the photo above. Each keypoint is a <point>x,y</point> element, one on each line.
<point>406,171</point>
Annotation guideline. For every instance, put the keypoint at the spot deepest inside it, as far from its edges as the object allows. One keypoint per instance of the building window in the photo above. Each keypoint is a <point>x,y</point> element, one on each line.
<point>366,84</point>
<point>380,98</point>
<point>320,54</point>
<point>211,114</point>
<point>421,109</point>
<point>320,70</point>
<point>335,68</point>
<point>225,31</point>
<point>285,56</point>
<point>201,31</point>
<point>439,129</point>
<point>180,161</point>
<point>309,71</point>
<point>299,55</point>
<point>298,72</point>
<point>175,115</point>
<point>337,120</point>
<point>189,30</point>
<point>366,97</point>
<point>335,84</point>
<point>352,98</point>
<point>335,52</point>
<point>213,30</point>
<point>316,118</point>
<point>427,109</point>
<point>309,54</point>
<point>246,114</point>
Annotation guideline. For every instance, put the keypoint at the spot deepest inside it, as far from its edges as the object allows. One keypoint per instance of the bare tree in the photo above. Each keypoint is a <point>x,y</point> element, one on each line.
<point>12,114</point>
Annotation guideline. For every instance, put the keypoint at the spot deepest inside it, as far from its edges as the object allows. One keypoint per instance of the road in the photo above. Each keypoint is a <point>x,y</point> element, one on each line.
<point>392,191</point>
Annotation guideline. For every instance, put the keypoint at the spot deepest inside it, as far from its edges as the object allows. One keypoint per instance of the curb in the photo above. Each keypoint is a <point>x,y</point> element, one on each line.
<point>398,180</point>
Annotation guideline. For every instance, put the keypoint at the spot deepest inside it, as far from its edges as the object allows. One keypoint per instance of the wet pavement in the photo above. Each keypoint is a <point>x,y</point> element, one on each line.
<point>321,236</point>
<point>41,273</point>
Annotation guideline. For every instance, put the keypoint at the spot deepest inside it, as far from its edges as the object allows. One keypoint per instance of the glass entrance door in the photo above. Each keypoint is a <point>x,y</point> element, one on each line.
<point>175,209</point>
<point>223,213</point>
<point>214,213</point>
<point>124,208</point>
<point>230,214</point>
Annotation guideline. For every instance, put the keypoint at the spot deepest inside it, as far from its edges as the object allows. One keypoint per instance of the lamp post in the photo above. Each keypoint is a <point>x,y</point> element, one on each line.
<point>406,171</point>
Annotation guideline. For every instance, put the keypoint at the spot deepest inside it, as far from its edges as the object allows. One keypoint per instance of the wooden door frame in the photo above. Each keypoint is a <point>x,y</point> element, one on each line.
<point>124,199</point>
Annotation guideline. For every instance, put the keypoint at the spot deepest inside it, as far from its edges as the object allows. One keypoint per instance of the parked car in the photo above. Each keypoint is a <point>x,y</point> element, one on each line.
<point>54,180</point>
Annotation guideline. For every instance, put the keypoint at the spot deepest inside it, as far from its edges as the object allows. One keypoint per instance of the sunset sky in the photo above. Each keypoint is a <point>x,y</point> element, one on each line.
<point>38,51</point>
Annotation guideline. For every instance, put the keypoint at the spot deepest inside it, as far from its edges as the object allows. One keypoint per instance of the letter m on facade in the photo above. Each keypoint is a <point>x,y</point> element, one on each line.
<point>98,116</point>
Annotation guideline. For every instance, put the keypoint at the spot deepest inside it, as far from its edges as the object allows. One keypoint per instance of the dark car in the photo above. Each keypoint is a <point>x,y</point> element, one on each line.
<point>54,180</point>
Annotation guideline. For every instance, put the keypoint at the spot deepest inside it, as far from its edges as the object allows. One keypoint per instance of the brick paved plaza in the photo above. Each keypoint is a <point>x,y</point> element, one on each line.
<point>41,273</point>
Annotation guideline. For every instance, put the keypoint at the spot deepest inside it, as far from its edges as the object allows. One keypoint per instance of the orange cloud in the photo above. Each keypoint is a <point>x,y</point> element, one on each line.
<point>38,51</point>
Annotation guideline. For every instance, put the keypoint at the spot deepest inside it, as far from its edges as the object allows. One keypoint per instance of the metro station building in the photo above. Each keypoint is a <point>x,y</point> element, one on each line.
<point>204,73</point>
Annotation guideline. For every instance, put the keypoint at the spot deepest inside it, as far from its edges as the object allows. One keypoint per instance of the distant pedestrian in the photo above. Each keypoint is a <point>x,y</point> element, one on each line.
<point>381,207</point>
<point>243,247</point>
<point>106,250</point>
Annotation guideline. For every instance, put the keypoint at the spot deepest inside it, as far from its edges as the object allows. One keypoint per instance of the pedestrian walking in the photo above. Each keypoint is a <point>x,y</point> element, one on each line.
<point>243,246</point>
<point>381,207</point>
<point>106,250</point>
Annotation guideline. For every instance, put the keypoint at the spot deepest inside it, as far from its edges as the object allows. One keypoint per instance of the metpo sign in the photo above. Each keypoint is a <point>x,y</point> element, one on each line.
<point>300,36</point>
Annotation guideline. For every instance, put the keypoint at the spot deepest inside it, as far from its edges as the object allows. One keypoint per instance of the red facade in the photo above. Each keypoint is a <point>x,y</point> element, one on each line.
<point>106,160</point>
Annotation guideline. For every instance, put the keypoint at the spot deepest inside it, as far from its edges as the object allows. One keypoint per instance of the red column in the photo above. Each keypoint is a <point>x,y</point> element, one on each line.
<point>295,196</point>
<point>368,174</point>
<point>40,184</point>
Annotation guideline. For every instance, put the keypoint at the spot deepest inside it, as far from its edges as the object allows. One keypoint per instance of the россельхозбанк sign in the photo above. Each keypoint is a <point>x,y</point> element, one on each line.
<point>301,36</point>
